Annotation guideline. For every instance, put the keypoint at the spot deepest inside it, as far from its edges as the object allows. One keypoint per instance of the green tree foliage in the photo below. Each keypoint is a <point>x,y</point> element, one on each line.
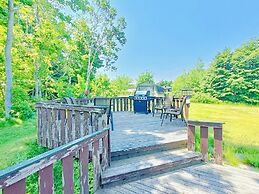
<point>190,79</point>
<point>233,76</point>
<point>122,84</point>
<point>165,83</point>
<point>56,44</point>
<point>146,77</point>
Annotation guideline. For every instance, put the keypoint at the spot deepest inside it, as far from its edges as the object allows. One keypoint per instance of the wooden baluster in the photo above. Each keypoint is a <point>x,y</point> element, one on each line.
<point>131,109</point>
<point>204,143</point>
<point>49,128</point>
<point>44,124</point>
<point>125,104</point>
<point>55,128</point>
<point>113,105</point>
<point>191,138</point>
<point>218,145</point>
<point>46,180</point>
<point>117,103</point>
<point>77,124</point>
<point>62,126</point>
<point>85,123</point>
<point>16,188</point>
<point>121,104</point>
<point>39,125</point>
<point>96,164</point>
<point>105,155</point>
<point>83,157</point>
<point>69,125</point>
<point>68,174</point>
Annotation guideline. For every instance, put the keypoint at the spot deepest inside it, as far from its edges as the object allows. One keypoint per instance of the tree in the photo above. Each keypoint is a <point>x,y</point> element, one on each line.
<point>102,37</point>
<point>122,84</point>
<point>101,86</point>
<point>8,60</point>
<point>191,79</point>
<point>146,77</point>
<point>233,76</point>
<point>165,83</point>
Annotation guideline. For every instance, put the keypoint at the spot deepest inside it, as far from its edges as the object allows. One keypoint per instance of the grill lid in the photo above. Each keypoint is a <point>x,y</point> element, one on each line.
<point>141,93</point>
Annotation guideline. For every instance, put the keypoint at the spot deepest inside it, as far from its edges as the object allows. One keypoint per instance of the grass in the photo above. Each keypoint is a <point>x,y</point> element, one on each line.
<point>18,142</point>
<point>240,131</point>
<point>14,139</point>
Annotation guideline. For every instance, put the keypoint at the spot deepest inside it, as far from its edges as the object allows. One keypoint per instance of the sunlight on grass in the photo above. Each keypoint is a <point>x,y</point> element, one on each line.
<point>240,131</point>
<point>14,140</point>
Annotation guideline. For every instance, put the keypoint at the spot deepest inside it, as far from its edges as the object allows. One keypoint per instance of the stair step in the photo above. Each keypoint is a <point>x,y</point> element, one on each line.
<point>140,151</point>
<point>147,165</point>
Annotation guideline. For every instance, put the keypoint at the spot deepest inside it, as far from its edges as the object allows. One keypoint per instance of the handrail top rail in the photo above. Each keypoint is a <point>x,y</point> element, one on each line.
<point>69,147</point>
<point>65,106</point>
<point>205,123</point>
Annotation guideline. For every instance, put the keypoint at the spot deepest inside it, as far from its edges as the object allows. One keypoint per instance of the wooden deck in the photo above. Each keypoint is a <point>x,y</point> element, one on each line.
<point>203,178</point>
<point>132,131</point>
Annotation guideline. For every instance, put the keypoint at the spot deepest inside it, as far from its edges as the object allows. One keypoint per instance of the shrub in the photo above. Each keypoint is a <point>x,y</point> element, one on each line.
<point>22,104</point>
<point>204,98</point>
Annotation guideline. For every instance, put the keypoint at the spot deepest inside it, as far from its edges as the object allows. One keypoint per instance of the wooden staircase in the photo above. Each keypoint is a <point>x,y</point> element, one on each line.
<point>143,162</point>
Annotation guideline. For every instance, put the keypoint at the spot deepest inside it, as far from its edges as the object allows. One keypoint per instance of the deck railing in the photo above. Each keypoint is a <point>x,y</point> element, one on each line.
<point>204,130</point>
<point>12,179</point>
<point>60,123</point>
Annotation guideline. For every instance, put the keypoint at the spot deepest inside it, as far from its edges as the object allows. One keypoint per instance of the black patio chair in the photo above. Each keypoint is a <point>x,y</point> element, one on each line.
<point>175,112</point>
<point>167,103</point>
<point>102,101</point>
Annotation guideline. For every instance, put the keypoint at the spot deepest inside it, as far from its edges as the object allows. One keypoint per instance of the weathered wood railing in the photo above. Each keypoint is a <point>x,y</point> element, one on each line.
<point>204,130</point>
<point>12,179</point>
<point>59,123</point>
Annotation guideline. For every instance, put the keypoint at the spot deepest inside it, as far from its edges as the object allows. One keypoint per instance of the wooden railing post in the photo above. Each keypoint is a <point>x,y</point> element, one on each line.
<point>46,180</point>
<point>191,138</point>
<point>218,145</point>
<point>204,142</point>
<point>96,165</point>
<point>17,188</point>
<point>83,157</point>
<point>68,174</point>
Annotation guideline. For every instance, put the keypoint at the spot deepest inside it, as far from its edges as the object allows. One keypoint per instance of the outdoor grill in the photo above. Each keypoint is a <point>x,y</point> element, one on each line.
<point>141,101</point>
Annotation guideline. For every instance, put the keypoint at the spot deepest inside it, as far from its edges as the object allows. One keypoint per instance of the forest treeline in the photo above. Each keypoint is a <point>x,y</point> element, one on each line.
<point>58,46</point>
<point>232,76</point>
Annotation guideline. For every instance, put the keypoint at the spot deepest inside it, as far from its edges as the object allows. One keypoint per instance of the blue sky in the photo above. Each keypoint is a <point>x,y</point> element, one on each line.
<point>168,37</point>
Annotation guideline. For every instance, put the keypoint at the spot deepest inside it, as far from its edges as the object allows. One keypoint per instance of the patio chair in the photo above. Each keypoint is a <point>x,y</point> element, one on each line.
<point>168,100</point>
<point>175,112</point>
<point>101,101</point>
<point>69,100</point>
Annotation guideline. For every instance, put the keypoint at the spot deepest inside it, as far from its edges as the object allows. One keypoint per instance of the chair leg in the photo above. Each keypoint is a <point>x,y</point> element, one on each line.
<point>111,118</point>
<point>163,118</point>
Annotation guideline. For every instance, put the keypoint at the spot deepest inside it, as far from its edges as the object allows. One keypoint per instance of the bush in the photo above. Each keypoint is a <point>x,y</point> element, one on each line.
<point>22,104</point>
<point>204,98</point>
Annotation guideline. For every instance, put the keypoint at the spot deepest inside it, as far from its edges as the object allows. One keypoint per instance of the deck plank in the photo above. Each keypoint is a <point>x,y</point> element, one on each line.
<point>141,130</point>
<point>206,178</point>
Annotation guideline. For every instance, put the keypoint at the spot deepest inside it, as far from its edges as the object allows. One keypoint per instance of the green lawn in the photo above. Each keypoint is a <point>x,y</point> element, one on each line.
<point>240,134</point>
<point>240,131</point>
<point>15,140</point>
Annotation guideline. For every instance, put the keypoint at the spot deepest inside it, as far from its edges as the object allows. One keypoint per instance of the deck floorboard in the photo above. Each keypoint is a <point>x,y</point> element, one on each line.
<point>205,178</point>
<point>141,130</point>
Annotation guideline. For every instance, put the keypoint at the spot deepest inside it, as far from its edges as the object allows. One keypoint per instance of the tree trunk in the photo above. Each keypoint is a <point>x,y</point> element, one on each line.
<point>88,74</point>
<point>37,84</point>
<point>8,60</point>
